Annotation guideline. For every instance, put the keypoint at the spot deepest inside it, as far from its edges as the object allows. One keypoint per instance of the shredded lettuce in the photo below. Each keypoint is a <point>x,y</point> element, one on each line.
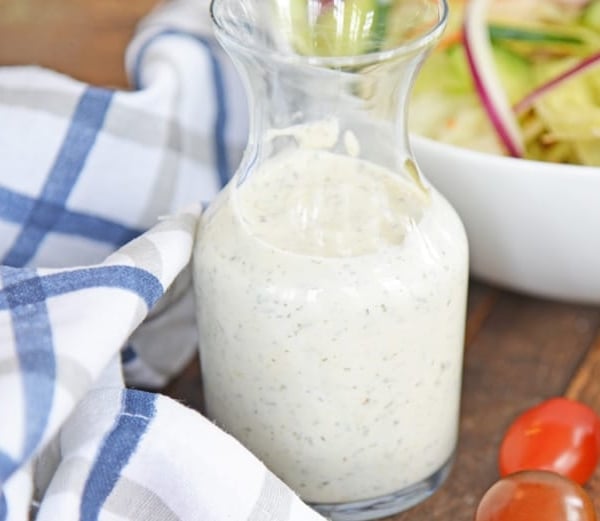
<point>533,43</point>
<point>351,27</point>
<point>562,124</point>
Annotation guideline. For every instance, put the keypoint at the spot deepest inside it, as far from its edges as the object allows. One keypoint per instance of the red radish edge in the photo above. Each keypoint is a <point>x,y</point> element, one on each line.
<point>487,85</point>
<point>581,67</point>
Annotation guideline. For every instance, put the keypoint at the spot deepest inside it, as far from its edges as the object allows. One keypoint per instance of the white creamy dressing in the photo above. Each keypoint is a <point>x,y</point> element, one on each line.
<point>331,297</point>
<point>314,202</point>
<point>317,135</point>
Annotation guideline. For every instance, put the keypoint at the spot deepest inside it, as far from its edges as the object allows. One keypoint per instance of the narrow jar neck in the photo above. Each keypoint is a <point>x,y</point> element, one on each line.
<point>357,104</point>
<point>361,112</point>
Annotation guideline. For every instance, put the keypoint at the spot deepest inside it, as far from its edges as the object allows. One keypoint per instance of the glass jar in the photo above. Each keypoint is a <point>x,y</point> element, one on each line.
<point>330,277</point>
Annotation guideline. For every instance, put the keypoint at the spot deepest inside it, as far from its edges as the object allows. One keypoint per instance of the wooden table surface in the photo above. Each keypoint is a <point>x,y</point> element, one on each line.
<point>519,350</point>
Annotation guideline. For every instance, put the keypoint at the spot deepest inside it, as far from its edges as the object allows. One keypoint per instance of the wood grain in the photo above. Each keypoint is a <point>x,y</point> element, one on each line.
<point>481,301</point>
<point>585,387</point>
<point>85,39</point>
<point>527,351</point>
<point>187,388</point>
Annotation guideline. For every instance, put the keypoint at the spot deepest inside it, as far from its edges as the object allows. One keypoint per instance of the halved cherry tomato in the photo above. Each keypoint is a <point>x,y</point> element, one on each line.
<point>536,495</point>
<point>559,434</point>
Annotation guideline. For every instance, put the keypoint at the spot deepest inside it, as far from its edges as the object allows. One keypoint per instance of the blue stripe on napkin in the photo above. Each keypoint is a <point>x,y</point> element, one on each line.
<point>220,123</point>
<point>16,207</point>
<point>96,228</point>
<point>7,467</point>
<point>39,288</point>
<point>137,410</point>
<point>87,121</point>
<point>35,351</point>
<point>140,281</point>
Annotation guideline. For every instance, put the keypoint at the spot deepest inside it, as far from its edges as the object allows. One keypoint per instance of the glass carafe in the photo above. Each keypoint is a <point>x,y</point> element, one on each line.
<point>330,276</point>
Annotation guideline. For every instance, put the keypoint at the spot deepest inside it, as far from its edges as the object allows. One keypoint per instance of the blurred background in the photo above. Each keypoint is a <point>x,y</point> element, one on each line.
<point>82,38</point>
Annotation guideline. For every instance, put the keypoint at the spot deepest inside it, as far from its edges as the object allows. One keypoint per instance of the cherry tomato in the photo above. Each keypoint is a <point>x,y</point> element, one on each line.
<point>535,495</point>
<point>559,434</point>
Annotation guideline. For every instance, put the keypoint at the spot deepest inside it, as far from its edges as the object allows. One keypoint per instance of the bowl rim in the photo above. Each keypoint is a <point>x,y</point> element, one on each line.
<point>542,167</point>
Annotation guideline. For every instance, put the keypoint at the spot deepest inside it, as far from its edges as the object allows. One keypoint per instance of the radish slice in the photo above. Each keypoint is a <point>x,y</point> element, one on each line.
<point>487,84</point>
<point>526,103</point>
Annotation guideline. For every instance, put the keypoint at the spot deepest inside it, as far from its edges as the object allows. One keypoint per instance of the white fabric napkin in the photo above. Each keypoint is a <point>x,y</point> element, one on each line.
<point>95,284</point>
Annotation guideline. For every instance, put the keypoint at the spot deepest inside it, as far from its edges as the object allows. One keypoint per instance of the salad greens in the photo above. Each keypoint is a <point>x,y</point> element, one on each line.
<point>549,68</point>
<point>351,27</point>
<point>546,62</point>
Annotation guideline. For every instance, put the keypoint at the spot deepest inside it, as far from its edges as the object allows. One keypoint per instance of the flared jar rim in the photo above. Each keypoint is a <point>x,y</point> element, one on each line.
<point>420,43</point>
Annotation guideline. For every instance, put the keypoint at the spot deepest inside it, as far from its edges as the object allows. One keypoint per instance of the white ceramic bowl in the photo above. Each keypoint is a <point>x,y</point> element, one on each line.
<point>533,227</point>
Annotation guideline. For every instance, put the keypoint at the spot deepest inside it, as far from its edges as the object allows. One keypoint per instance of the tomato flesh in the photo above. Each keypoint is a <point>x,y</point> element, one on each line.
<point>559,434</point>
<point>535,496</point>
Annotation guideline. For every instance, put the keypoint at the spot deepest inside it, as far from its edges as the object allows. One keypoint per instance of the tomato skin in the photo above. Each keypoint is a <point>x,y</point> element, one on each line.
<point>559,435</point>
<point>535,495</point>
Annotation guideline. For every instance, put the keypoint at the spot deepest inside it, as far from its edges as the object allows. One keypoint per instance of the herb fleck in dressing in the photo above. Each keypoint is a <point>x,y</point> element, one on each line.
<point>331,304</point>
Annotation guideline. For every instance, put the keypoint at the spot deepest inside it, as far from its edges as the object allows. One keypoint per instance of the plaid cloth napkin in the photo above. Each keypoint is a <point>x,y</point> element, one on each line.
<point>95,287</point>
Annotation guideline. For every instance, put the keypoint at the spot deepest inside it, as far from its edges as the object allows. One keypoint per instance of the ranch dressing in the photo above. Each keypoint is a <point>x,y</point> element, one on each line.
<point>331,308</point>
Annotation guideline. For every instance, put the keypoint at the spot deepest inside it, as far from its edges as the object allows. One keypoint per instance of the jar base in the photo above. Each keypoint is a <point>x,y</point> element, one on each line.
<point>389,504</point>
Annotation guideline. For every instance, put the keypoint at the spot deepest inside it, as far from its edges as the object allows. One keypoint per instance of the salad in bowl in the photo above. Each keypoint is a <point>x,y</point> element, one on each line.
<point>518,78</point>
<point>515,77</point>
